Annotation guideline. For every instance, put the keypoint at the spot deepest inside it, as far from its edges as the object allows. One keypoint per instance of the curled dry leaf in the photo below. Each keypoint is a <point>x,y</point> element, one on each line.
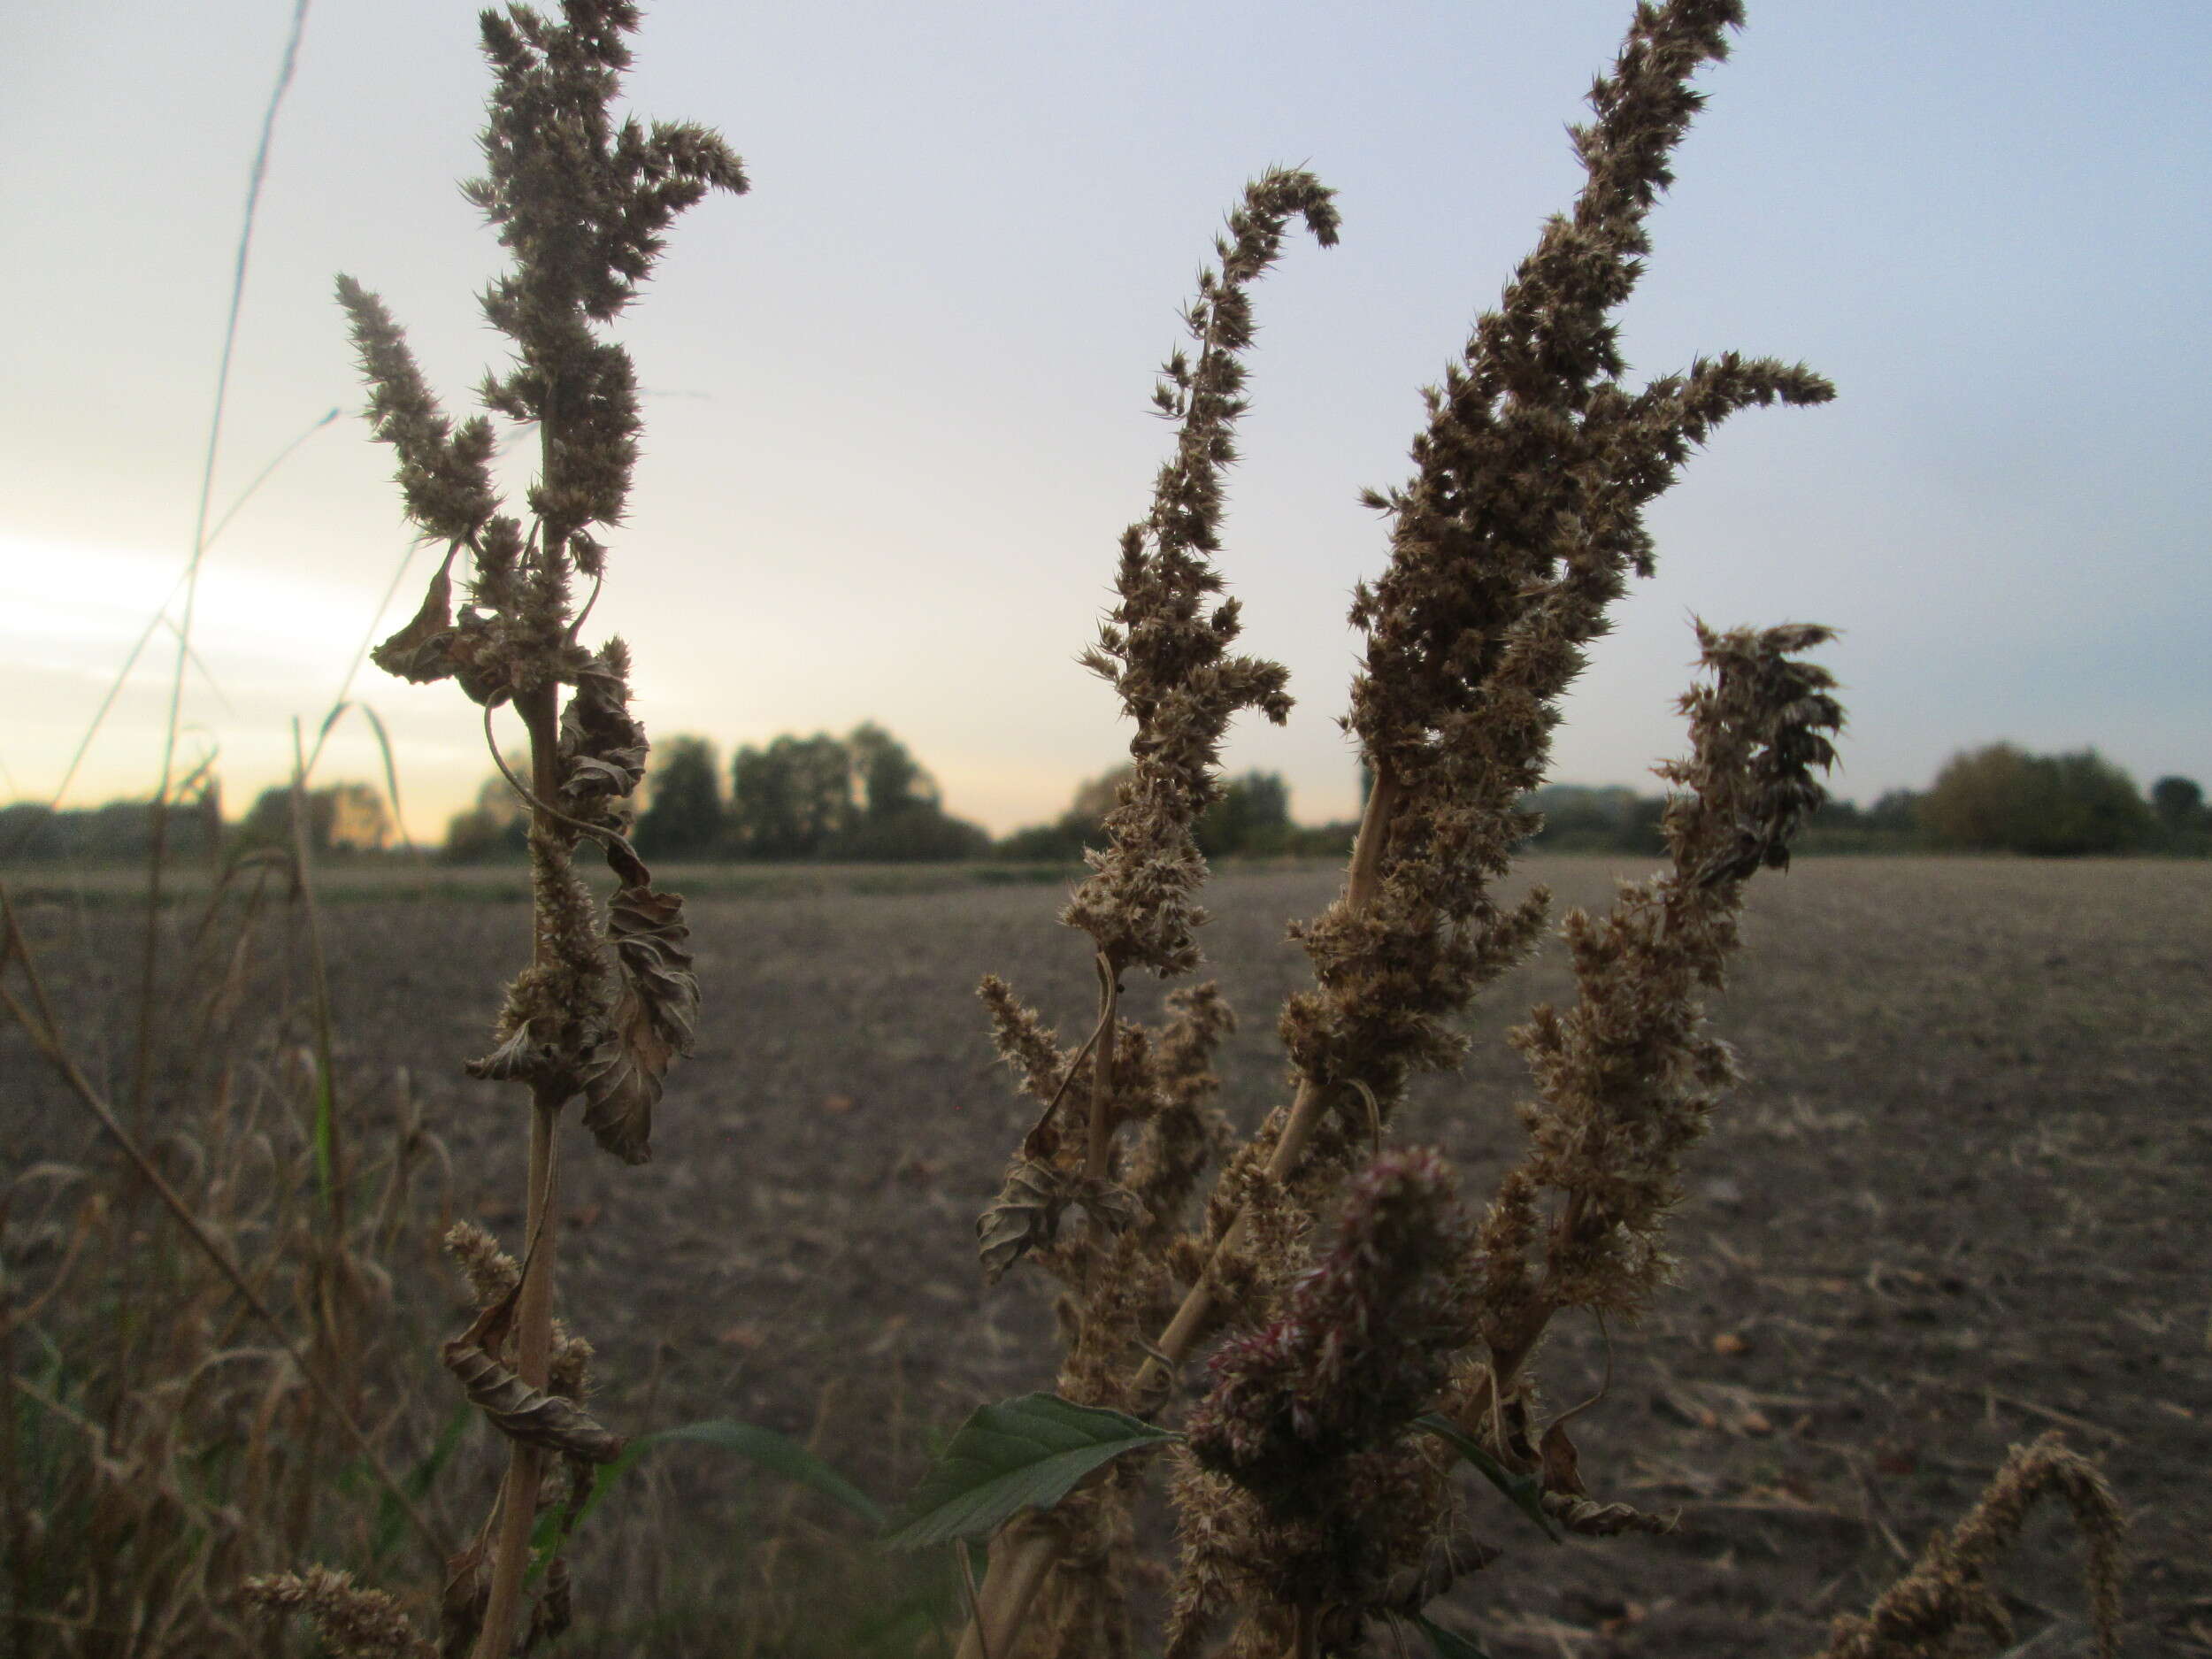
<point>650,1023</point>
<point>461,1607</point>
<point>1025,1216</point>
<point>1567,1500</point>
<point>516,1410</point>
<point>423,650</point>
<point>603,746</point>
<point>1588,1519</point>
<point>1112,1208</point>
<point>518,1058</point>
<point>1561,1463</point>
<point>554,1612</point>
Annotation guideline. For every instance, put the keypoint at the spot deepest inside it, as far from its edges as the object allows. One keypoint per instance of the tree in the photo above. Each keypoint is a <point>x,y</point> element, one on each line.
<point>2001,798</point>
<point>1081,825</point>
<point>791,799</point>
<point>1612,818</point>
<point>497,827</point>
<point>1253,816</point>
<point>2179,805</point>
<point>341,817</point>
<point>891,780</point>
<point>684,818</point>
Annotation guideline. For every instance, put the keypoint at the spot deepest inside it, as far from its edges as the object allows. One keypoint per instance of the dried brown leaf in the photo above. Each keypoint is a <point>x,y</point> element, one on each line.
<point>1112,1208</point>
<point>461,1607</point>
<point>1589,1519</point>
<point>423,650</point>
<point>1025,1216</point>
<point>516,1410</point>
<point>603,746</point>
<point>1561,1463</point>
<point>651,1023</point>
<point>518,1058</point>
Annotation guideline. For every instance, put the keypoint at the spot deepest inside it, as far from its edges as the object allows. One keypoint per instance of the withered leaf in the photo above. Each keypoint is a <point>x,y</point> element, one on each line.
<point>1023,1216</point>
<point>1588,1519</point>
<point>516,1410</point>
<point>517,1058</point>
<point>550,1618</point>
<point>461,1607</point>
<point>422,651</point>
<point>1561,1463</point>
<point>1112,1208</point>
<point>603,746</point>
<point>652,1020</point>
<point>483,673</point>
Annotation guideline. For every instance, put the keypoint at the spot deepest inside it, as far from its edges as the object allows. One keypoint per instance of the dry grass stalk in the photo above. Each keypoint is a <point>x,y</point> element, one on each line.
<point>152,1463</point>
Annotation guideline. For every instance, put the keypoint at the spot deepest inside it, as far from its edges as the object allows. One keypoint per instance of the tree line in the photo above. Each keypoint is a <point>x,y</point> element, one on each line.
<point>1996,799</point>
<point>341,818</point>
<point>864,798</point>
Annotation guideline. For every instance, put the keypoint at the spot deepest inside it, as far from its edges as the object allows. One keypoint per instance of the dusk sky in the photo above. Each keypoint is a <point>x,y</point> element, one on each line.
<point>897,411</point>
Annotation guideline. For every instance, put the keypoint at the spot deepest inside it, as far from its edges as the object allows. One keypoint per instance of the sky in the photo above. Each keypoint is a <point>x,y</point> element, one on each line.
<point>897,408</point>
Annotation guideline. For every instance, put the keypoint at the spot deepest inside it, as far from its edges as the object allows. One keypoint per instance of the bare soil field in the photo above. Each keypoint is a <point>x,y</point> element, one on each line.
<point>1961,1201</point>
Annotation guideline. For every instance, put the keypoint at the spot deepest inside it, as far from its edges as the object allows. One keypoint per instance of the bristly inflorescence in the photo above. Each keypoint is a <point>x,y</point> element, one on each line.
<point>1167,649</point>
<point>1627,1077</point>
<point>582,204</point>
<point>1948,1591</point>
<point>1518,529</point>
<point>1303,1489</point>
<point>1162,647</point>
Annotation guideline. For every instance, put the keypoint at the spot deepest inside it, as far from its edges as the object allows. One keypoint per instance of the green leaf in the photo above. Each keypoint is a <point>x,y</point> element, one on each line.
<point>1018,1455</point>
<point>1525,1491</point>
<point>1446,1643</point>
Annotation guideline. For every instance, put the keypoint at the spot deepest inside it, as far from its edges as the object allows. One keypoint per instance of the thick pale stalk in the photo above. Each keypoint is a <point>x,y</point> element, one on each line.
<point>1362,883</point>
<point>533,1333</point>
<point>534,1310</point>
<point>1022,1554</point>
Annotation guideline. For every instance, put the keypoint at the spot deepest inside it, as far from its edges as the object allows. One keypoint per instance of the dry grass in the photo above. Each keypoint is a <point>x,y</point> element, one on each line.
<point>208,1356</point>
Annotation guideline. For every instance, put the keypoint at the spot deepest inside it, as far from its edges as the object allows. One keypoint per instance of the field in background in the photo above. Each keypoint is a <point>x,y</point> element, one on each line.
<point>1961,1201</point>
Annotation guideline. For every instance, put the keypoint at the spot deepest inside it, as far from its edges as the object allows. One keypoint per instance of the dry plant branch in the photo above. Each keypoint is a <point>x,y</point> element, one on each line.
<point>1519,529</point>
<point>581,202</point>
<point>1948,1590</point>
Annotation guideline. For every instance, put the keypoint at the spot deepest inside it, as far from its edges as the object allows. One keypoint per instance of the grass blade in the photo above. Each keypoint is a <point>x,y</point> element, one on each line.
<point>778,1453</point>
<point>1448,1644</point>
<point>1526,1491</point>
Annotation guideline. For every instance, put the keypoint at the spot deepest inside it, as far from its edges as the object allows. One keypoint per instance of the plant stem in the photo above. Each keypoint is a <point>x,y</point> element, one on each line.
<point>1099,1148</point>
<point>533,1318</point>
<point>1022,1554</point>
<point>533,1312</point>
<point>1362,881</point>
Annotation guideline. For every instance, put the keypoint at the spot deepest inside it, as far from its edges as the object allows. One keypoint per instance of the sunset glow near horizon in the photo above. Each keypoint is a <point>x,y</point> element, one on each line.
<point>896,396</point>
